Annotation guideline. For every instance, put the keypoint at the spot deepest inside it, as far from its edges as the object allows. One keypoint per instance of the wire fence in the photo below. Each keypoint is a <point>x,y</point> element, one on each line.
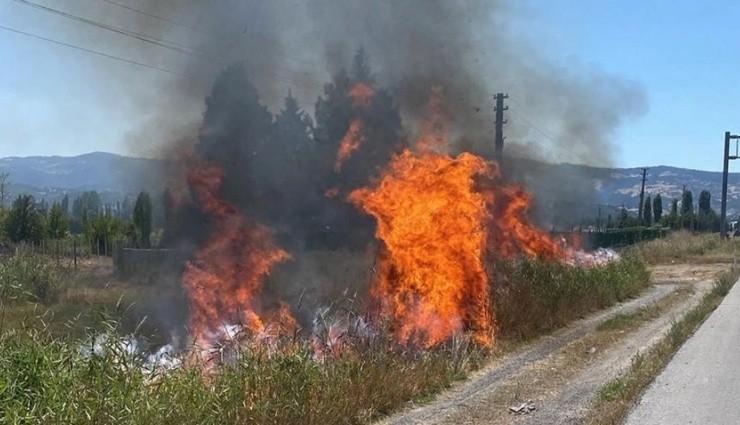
<point>69,250</point>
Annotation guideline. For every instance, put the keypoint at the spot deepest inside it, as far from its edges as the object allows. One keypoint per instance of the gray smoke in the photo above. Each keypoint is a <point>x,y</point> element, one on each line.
<point>558,113</point>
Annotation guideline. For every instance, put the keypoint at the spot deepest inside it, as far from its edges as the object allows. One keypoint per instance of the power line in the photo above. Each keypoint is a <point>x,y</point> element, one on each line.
<point>95,52</point>
<point>169,45</point>
<point>187,50</point>
<point>162,19</point>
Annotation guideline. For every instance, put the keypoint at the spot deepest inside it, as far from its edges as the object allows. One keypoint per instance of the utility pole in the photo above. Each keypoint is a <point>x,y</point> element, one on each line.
<point>499,109</point>
<point>642,195</point>
<point>725,168</point>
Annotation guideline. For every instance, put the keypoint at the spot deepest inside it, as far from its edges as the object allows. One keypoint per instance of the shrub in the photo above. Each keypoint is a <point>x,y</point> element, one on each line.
<point>29,277</point>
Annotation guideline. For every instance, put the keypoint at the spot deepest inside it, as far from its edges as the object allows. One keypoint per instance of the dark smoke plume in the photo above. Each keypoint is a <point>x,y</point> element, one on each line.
<point>466,46</point>
<point>275,76</point>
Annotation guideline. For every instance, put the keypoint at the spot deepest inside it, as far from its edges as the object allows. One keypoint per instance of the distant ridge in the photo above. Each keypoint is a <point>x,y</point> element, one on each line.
<point>114,176</point>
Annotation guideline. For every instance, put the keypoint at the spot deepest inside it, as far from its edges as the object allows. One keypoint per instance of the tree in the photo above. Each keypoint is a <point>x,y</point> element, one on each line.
<point>687,202</point>
<point>672,220</point>
<point>705,202</point>
<point>235,131</point>
<point>289,198</point>
<point>707,218</point>
<point>381,129</point>
<point>126,209</point>
<point>657,208</point>
<point>24,223</point>
<point>65,205</point>
<point>381,137</point>
<point>86,206</point>
<point>101,229</point>
<point>3,187</point>
<point>56,227</point>
<point>647,211</point>
<point>687,210</point>
<point>609,222</point>
<point>143,219</point>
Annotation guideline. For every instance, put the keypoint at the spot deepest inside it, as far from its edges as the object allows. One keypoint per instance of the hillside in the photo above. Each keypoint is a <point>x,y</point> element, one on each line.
<point>568,190</point>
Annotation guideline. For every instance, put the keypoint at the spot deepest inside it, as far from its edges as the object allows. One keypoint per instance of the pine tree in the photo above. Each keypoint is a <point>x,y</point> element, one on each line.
<point>687,202</point>
<point>381,129</point>
<point>705,202</point>
<point>687,210</point>
<point>657,208</point>
<point>647,211</point>
<point>65,205</point>
<point>143,220</point>
<point>235,135</point>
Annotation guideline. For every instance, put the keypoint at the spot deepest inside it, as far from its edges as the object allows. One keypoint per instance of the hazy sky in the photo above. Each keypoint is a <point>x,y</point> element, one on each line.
<point>56,100</point>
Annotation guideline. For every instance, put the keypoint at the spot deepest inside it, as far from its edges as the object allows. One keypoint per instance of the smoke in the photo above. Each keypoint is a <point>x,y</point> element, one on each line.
<point>556,112</point>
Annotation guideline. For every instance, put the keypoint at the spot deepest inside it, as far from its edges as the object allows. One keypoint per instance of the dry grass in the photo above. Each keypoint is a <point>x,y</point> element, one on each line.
<point>684,246</point>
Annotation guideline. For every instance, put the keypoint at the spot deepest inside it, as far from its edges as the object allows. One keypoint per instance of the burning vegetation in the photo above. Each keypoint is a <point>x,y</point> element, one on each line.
<point>440,221</point>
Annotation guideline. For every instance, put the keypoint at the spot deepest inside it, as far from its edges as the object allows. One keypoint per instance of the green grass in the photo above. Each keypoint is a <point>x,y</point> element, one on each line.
<point>536,297</point>
<point>51,381</point>
<point>48,380</point>
<point>616,398</point>
<point>29,277</point>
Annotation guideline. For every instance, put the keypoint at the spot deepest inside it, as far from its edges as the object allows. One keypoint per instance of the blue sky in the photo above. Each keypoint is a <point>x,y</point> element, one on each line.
<point>58,101</point>
<point>684,53</point>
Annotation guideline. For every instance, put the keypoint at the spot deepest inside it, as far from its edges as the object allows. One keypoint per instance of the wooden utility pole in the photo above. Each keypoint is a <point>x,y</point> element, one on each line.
<point>499,109</point>
<point>642,195</point>
<point>725,169</point>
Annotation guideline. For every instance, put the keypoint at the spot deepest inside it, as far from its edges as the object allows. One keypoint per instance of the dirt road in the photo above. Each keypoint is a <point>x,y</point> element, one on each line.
<point>561,373</point>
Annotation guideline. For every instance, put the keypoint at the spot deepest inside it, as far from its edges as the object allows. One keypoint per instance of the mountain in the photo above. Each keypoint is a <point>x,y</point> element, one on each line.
<point>51,177</point>
<point>578,190</point>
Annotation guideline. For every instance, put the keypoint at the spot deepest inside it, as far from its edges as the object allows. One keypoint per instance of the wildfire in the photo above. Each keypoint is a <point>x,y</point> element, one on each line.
<point>437,215</point>
<point>361,95</point>
<point>349,143</point>
<point>227,272</point>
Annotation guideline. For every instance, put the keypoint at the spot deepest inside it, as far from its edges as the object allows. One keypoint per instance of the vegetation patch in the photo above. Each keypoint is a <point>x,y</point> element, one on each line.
<point>686,247</point>
<point>29,277</point>
<point>287,385</point>
<point>534,297</point>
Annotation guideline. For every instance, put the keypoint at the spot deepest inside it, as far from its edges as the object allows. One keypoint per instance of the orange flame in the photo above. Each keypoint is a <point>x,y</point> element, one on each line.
<point>431,280</point>
<point>437,216</point>
<point>350,143</point>
<point>361,95</point>
<point>226,274</point>
<point>509,230</point>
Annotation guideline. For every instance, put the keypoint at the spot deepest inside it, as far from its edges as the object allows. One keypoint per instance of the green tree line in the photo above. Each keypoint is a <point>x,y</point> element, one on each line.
<point>31,221</point>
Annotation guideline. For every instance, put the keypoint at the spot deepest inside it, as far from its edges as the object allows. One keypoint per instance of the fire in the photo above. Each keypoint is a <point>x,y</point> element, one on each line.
<point>509,230</point>
<point>361,96</point>
<point>350,143</point>
<point>226,275</point>
<point>437,216</point>
<point>431,280</point>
